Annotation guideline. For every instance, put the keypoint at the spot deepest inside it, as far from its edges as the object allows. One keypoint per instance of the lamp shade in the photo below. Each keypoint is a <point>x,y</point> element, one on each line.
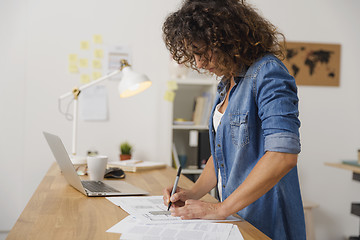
<point>132,83</point>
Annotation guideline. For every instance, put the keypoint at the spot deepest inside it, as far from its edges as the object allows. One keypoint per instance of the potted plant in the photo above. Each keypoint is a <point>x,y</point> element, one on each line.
<point>125,151</point>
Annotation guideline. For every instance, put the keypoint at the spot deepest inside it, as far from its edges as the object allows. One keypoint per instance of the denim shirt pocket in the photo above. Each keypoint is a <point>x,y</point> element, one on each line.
<point>239,129</point>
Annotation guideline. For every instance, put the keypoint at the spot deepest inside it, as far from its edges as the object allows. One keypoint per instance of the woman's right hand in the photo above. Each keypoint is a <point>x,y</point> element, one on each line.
<point>178,198</point>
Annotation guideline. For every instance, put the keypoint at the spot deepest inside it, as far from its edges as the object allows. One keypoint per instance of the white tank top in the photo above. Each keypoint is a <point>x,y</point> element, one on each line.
<point>216,122</point>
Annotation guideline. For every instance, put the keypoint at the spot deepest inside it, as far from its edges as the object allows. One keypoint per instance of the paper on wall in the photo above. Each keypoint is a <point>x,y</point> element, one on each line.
<point>93,104</point>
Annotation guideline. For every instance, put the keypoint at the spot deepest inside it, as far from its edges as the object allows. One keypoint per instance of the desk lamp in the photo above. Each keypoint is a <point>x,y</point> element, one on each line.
<point>130,84</point>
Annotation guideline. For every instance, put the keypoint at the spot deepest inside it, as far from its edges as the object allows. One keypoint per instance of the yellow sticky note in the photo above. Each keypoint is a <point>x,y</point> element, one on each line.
<point>96,64</point>
<point>97,38</point>
<point>72,58</point>
<point>169,96</point>
<point>84,45</point>
<point>73,68</point>
<point>84,78</point>
<point>172,85</point>
<point>83,62</point>
<point>96,75</point>
<point>98,53</point>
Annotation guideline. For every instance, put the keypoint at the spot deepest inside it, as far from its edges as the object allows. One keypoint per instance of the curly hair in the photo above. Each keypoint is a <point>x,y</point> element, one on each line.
<point>231,29</point>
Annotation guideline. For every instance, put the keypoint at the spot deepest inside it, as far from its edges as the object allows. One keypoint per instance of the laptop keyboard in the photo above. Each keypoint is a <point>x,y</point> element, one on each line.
<point>97,186</point>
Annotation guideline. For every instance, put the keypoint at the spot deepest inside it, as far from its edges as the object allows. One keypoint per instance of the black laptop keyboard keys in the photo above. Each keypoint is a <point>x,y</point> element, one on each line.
<point>97,186</point>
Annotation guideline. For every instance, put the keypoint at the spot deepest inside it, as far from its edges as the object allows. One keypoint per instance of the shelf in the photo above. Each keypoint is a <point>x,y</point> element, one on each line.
<point>190,127</point>
<point>344,166</point>
<point>191,171</point>
<point>182,128</point>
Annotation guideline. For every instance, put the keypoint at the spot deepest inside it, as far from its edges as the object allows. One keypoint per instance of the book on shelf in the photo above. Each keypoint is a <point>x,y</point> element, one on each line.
<point>199,109</point>
<point>351,162</point>
<point>202,109</point>
<point>207,108</point>
<point>134,165</point>
<point>175,157</point>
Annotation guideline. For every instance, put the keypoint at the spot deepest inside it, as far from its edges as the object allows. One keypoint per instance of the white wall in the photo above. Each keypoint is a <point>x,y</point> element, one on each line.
<point>36,37</point>
<point>12,69</point>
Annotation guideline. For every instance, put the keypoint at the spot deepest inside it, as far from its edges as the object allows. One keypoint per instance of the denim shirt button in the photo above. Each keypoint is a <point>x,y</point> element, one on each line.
<point>218,145</point>
<point>222,165</point>
<point>223,186</point>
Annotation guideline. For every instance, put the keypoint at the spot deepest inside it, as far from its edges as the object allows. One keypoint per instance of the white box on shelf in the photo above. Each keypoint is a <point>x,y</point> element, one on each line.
<point>193,138</point>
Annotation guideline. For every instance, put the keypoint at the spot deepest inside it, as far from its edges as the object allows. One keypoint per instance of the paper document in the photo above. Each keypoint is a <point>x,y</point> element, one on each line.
<point>131,228</point>
<point>149,219</point>
<point>235,234</point>
<point>143,209</point>
<point>134,165</point>
<point>139,205</point>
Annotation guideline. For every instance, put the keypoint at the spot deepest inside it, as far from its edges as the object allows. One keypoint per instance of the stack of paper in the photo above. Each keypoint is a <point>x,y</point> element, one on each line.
<point>149,219</point>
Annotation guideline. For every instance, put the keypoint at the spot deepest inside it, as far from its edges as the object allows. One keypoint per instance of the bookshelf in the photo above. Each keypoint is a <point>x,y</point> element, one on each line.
<point>192,127</point>
<point>352,165</point>
<point>184,108</point>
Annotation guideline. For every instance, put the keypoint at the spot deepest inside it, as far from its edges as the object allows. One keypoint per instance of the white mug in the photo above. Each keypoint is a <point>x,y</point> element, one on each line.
<point>96,167</point>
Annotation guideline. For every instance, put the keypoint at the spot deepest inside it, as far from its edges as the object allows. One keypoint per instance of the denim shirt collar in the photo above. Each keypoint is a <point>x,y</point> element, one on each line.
<point>225,83</point>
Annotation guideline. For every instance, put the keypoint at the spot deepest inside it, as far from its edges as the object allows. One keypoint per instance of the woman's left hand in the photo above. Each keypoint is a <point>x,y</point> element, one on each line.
<point>198,209</point>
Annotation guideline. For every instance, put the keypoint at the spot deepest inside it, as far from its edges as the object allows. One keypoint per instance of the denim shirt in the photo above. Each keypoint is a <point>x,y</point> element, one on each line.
<point>262,115</point>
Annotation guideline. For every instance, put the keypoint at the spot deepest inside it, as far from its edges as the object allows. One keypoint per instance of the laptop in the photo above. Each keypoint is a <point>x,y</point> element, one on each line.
<point>88,188</point>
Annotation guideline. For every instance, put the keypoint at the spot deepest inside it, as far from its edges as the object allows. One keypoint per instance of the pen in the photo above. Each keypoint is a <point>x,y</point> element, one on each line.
<point>175,186</point>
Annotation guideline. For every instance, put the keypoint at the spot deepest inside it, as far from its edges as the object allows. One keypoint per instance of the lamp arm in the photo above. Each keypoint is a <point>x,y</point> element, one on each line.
<point>99,80</point>
<point>71,93</point>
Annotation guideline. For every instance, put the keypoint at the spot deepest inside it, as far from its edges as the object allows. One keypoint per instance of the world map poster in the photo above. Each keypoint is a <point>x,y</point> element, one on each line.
<point>313,64</point>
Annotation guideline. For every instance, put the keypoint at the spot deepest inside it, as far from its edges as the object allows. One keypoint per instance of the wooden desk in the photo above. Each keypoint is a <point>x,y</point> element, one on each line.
<point>58,211</point>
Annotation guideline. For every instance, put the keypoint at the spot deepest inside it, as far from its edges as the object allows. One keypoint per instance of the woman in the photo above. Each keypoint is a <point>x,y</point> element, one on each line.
<point>254,125</point>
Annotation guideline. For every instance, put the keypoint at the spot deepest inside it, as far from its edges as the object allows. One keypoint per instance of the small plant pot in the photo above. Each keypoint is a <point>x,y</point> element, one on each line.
<point>125,157</point>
